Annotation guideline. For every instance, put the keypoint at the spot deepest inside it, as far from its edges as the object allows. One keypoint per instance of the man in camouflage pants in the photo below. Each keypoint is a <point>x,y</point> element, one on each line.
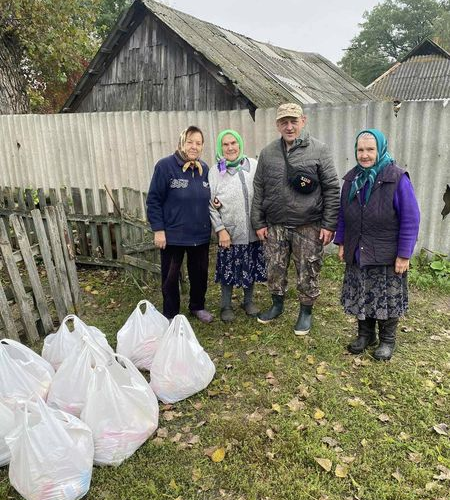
<point>294,210</point>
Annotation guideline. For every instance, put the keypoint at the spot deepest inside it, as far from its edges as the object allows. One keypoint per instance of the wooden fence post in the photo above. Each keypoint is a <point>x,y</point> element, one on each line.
<point>8,320</point>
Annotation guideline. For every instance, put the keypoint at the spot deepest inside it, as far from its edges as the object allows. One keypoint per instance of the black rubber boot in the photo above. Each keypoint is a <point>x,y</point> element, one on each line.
<point>226,311</point>
<point>366,336</point>
<point>304,320</point>
<point>388,328</point>
<point>248,305</point>
<point>276,309</point>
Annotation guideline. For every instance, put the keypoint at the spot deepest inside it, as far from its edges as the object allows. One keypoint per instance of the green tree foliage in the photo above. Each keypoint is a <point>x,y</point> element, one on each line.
<point>54,40</point>
<point>390,30</point>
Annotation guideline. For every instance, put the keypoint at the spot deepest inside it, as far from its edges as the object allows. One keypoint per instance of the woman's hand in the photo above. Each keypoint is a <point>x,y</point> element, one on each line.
<point>262,233</point>
<point>401,265</point>
<point>341,253</point>
<point>224,239</point>
<point>160,239</point>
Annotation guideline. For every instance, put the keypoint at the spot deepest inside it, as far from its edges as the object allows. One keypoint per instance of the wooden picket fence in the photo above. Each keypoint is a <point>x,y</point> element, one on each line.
<point>62,228</point>
<point>26,303</point>
<point>115,234</point>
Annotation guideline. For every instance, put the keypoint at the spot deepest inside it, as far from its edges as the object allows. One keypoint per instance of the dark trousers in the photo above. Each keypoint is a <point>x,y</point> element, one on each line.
<point>197,266</point>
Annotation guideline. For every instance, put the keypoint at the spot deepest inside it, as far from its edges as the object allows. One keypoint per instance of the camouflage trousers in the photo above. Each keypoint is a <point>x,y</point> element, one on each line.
<point>303,243</point>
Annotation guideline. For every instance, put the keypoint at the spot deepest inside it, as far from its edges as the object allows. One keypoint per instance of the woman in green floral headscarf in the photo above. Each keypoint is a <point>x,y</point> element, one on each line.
<point>240,259</point>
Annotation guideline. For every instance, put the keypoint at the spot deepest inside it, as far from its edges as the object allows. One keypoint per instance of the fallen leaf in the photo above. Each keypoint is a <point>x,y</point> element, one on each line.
<point>318,414</point>
<point>173,485</point>
<point>218,455</point>
<point>354,402</point>
<point>295,405</point>
<point>321,369</point>
<point>348,460</point>
<point>415,457</point>
<point>276,407</point>
<point>297,354</point>
<point>168,416</point>
<point>196,474</point>
<point>271,379</point>
<point>431,485</point>
<point>95,292</point>
<point>247,384</point>
<point>209,451</point>
<point>330,441</point>
<point>270,434</point>
<point>270,455</point>
<point>310,359</point>
<point>325,463</point>
<point>213,393</point>
<point>255,417</point>
<point>396,475</point>
<point>158,441</point>
<point>162,432</point>
<point>383,417</point>
<point>192,440</point>
<point>303,391</point>
<point>272,352</point>
<point>441,429</point>
<point>176,438</point>
<point>186,429</point>
<point>341,471</point>
<point>227,355</point>
<point>404,436</point>
<point>321,378</point>
<point>338,427</point>
<point>364,442</point>
<point>250,351</point>
<point>444,475</point>
<point>200,424</point>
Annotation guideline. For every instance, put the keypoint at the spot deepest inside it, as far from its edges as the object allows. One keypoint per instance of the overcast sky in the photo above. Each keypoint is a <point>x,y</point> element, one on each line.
<point>321,26</point>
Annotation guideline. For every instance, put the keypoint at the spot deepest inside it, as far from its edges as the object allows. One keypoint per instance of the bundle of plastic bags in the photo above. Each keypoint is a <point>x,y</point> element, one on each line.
<point>121,410</point>
<point>140,336</point>
<point>6,426</point>
<point>51,454</point>
<point>180,367</point>
<point>70,383</point>
<point>23,373</point>
<point>58,346</point>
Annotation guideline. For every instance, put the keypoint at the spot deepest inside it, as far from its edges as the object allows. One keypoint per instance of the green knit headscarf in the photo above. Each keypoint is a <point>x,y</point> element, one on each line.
<point>219,150</point>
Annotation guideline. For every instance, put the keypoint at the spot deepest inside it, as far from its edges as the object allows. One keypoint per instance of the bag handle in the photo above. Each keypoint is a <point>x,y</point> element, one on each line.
<point>97,349</point>
<point>147,305</point>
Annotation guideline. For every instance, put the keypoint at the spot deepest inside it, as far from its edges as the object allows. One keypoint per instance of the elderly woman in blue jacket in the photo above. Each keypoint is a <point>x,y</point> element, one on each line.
<point>177,210</point>
<point>240,258</point>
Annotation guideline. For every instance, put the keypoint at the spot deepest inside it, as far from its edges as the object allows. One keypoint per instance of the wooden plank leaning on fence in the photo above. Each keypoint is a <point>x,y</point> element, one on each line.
<point>38,292</point>
<point>46,253</point>
<point>17,285</point>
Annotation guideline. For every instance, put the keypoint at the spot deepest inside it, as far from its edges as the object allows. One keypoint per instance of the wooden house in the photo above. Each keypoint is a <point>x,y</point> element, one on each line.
<point>159,59</point>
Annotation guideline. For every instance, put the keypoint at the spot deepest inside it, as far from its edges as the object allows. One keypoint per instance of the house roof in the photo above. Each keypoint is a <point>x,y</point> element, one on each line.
<point>263,73</point>
<point>423,74</point>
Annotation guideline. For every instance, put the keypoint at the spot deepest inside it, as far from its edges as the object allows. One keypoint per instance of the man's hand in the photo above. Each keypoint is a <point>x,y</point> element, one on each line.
<point>262,233</point>
<point>401,265</point>
<point>341,253</point>
<point>224,238</point>
<point>160,239</point>
<point>326,236</point>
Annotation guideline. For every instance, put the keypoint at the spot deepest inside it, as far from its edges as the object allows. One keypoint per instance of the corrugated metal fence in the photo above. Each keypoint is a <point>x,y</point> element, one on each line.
<point>119,149</point>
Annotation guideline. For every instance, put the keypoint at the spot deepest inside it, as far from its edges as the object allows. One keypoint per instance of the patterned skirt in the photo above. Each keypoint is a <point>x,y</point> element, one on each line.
<point>374,292</point>
<point>241,265</point>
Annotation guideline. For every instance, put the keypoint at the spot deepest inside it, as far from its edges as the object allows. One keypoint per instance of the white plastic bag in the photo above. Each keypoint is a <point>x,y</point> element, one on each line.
<point>139,337</point>
<point>51,454</point>
<point>22,372</point>
<point>59,345</point>
<point>6,426</point>
<point>121,410</point>
<point>180,367</point>
<point>69,385</point>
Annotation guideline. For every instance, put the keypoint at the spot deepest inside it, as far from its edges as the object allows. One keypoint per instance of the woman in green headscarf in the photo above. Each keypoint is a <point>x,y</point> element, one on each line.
<point>240,258</point>
<point>377,230</point>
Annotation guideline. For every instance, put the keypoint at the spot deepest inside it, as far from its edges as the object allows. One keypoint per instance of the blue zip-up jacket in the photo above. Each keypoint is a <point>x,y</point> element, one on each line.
<point>178,202</point>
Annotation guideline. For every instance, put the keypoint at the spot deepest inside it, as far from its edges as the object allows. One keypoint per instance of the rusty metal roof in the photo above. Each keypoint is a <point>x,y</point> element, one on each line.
<point>423,74</point>
<point>265,74</point>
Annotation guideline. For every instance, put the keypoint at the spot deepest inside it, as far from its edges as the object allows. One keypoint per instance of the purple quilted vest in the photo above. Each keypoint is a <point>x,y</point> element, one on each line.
<point>373,227</point>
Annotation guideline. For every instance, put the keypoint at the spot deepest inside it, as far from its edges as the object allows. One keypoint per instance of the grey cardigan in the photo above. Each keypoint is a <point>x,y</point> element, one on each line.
<point>234,191</point>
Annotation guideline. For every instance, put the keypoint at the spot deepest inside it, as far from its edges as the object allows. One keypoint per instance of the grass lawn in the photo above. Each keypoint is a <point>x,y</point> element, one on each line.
<point>293,418</point>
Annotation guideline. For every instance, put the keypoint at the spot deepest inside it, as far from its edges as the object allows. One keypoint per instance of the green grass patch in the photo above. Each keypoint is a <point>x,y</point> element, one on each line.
<point>279,402</point>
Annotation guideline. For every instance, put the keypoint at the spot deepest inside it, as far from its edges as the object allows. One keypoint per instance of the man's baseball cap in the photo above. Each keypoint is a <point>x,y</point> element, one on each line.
<point>289,109</point>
